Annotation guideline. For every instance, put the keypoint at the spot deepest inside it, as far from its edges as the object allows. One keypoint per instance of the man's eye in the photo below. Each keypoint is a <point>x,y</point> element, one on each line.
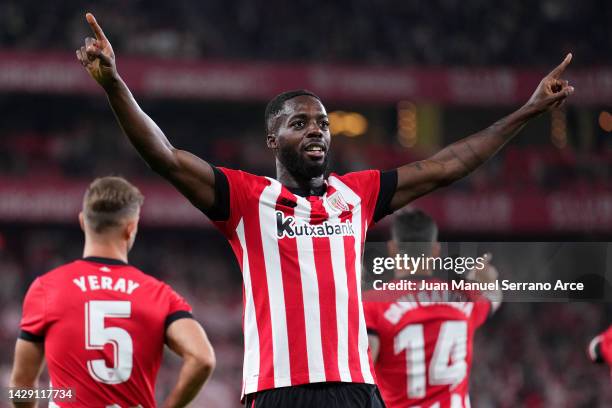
<point>324,124</point>
<point>298,124</point>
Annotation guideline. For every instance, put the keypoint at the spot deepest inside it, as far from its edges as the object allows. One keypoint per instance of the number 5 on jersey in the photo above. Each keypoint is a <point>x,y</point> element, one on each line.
<point>97,336</point>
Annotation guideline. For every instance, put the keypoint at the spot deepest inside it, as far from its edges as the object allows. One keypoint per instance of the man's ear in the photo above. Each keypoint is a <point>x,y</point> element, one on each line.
<point>82,221</point>
<point>271,141</point>
<point>131,227</point>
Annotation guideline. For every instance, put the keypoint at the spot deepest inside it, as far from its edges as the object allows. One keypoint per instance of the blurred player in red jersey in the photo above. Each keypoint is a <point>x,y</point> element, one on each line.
<point>600,348</point>
<point>101,324</point>
<point>299,237</point>
<point>421,340</point>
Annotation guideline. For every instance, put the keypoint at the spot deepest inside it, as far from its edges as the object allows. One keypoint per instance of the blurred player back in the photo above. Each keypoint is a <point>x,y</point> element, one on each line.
<point>103,323</point>
<point>425,344</point>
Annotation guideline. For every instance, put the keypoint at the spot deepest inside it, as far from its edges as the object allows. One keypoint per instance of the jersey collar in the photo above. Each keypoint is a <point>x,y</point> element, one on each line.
<point>305,193</point>
<point>107,261</point>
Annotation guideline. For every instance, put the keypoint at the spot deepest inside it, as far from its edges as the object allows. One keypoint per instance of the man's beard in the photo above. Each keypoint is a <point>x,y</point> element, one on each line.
<point>299,167</point>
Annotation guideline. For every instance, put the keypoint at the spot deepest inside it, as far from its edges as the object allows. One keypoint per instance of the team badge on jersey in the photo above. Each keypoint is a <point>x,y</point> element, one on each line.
<point>336,201</point>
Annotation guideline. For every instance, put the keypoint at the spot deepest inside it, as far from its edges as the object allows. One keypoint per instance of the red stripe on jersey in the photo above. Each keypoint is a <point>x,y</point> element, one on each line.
<point>238,253</point>
<point>353,303</point>
<point>261,297</point>
<point>327,292</point>
<point>292,287</point>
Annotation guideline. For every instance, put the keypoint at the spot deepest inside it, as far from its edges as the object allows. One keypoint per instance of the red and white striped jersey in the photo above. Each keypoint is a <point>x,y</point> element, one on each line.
<point>300,258</point>
<point>425,344</point>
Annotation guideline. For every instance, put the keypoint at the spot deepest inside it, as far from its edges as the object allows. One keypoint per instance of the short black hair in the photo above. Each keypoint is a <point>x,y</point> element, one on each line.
<point>278,103</point>
<point>414,232</point>
<point>413,225</point>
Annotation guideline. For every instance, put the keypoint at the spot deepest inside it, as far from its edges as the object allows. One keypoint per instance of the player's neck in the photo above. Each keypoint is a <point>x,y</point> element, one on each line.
<point>106,249</point>
<point>311,185</point>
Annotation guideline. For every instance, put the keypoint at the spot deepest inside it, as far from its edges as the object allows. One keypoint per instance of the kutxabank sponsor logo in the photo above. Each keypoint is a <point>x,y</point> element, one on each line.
<point>290,227</point>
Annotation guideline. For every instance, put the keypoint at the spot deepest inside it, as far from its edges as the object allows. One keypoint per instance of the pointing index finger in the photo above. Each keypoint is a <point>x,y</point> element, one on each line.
<point>95,27</point>
<point>556,73</point>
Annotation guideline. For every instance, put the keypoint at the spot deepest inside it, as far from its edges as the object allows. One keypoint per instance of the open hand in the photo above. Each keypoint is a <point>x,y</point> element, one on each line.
<point>97,55</point>
<point>552,90</point>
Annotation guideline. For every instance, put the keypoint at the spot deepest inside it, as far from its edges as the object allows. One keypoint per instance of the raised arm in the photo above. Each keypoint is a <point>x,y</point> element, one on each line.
<point>191,175</point>
<point>461,158</point>
<point>488,274</point>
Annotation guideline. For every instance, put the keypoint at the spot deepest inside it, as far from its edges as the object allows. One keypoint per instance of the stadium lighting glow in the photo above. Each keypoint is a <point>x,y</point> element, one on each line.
<point>350,124</point>
<point>605,121</point>
<point>406,123</point>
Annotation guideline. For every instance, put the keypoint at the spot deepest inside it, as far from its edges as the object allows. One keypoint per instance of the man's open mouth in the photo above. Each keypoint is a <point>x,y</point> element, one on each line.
<point>315,150</point>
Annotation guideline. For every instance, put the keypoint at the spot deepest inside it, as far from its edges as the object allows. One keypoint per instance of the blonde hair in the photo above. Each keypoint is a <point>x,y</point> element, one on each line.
<point>108,201</point>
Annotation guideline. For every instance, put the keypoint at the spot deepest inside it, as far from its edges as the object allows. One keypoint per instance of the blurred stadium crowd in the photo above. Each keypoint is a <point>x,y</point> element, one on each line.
<point>528,355</point>
<point>78,138</point>
<point>390,31</point>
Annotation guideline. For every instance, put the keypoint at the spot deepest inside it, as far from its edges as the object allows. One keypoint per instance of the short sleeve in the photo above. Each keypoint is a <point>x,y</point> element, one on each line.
<point>33,320</point>
<point>388,185</point>
<point>220,209</point>
<point>231,188</point>
<point>178,307</point>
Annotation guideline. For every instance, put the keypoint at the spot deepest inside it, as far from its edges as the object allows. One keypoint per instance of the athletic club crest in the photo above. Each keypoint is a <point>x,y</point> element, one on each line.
<point>337,201</point>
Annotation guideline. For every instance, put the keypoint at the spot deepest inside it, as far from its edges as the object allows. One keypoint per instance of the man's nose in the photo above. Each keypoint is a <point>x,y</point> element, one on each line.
<point>314,130</point>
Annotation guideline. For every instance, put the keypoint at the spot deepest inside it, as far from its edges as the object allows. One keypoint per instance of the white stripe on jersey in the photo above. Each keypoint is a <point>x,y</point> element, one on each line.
<point>250,372</point>
<point>336,244</point>
<point>355,200</point>
<point>310,294</point>
<point>274,277</point>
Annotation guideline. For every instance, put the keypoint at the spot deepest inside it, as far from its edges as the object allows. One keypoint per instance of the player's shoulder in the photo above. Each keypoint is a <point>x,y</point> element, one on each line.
<point>143,277</point>
<point>235,175</point>
<point>357,182</point>
<point>355,176</point>
<point>59,271</point>
<point>241,184</point>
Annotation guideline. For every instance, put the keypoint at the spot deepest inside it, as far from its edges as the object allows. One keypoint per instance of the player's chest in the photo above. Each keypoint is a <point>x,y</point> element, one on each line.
<point>294,217</point>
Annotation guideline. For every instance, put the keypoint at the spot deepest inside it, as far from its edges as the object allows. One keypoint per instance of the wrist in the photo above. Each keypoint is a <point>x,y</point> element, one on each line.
<point>112,84</point>
<point>530,110</point>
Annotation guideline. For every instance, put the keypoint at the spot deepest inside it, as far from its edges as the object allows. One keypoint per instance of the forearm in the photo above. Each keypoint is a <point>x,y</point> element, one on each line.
<point>27,365</point>
<point>461,158</point>
<point>141,130</point>
<point>29,404</point>
<point>191,378</point>
<point>24,404</point>
<point>23,384</point>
